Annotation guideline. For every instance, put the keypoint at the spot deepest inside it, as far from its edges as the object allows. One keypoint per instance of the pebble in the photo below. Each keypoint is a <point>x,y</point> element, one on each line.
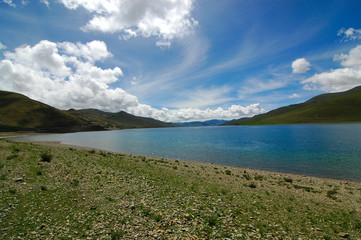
<point>344,235</point>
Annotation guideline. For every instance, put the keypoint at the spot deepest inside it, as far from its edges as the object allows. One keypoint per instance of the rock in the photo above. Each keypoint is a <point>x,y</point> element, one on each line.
<point>19,180</point>
<point>344,235</point>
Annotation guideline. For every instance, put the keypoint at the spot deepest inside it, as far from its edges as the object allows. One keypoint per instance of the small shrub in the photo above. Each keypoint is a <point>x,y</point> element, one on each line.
<point>247,176</point>
<point>175,167</point>
<point>15,150</point>
<point>156,217</point>
<point>211,220</point>
<point>39,172</point>
<point>307,189</point>
<point>12,156</point>
<point>146,212</point>
<point>43,188</point>
<point>252,185</point>
<point>331,194</point>
<point>186,165</point>
<point>12,191</point>
<point>92,151</point>
<point>75,182</point>
<point>228,172</point>
<point>289,180</point>
<point>46,156</point>
<point>116,235</point>
<point>258,177</point>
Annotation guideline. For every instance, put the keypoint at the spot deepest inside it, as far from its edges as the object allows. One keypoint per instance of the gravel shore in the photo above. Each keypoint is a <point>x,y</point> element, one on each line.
<point>53,191</point>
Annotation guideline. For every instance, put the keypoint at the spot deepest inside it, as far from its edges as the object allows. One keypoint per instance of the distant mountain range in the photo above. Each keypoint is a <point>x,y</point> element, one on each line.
<point>20,113</point>
<point>326,108</point>
<point>213,122</point>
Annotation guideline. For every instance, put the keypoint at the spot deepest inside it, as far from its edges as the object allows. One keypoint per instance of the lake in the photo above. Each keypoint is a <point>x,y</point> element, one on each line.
<point>323,150</point>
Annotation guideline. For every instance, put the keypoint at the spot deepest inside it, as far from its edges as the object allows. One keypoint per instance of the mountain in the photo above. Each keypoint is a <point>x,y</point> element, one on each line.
<point>213,122</point>
<point>119,120</point>
<point>20,113</point>
<point>326,108</point>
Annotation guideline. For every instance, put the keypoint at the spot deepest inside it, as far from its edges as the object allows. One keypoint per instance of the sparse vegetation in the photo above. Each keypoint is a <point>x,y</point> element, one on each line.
<point>82,194</point>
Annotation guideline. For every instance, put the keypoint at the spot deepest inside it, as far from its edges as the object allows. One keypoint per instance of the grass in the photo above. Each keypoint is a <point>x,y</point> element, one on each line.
<point>84,193</point>
<point>326,108</point>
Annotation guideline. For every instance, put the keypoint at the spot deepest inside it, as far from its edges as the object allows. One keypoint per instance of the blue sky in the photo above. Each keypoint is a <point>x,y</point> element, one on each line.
<point>179,60</point>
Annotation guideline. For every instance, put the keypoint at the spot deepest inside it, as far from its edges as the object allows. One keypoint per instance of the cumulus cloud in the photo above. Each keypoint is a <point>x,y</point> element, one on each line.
<point>295,95</point>
<point>195,114</point>
<point>300,65</point>
<point>65,75</point>
<point>166,19</point>
<point>349,34</point>
<point>340,79</point>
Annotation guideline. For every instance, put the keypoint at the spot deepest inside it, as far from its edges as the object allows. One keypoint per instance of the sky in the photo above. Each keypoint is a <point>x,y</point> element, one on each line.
<point>179,60</point>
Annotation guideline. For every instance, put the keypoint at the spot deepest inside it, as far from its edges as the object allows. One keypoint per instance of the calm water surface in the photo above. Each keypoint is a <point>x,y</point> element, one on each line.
<point>325,150</point>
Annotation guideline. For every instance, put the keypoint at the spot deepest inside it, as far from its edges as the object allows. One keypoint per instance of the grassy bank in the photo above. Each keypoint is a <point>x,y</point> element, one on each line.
<point>64,192</point>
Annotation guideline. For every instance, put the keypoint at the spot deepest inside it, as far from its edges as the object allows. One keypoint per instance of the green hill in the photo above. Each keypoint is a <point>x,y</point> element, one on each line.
<point>326,108</point>
<point>120,120</point>
<point>20,113</point>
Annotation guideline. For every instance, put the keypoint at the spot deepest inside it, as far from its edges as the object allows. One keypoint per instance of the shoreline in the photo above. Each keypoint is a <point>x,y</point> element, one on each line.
<point>53,190</point>
<point>291,161</point>
<point>254,170</point>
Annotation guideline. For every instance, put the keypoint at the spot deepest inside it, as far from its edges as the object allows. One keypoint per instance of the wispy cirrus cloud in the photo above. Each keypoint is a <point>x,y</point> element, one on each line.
<point>2,46</point>
<point>24,2</point>
<point>201,97</point>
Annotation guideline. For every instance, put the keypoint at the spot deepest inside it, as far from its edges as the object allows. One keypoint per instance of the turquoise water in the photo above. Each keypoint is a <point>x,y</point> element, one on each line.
<point>324,150</point>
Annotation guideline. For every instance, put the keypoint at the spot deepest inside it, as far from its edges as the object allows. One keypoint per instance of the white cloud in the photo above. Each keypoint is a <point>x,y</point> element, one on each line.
<point>91,51</point>
<point>10,2</point>
<point>166,19</point>
<point>349,34</point>
<point>2,46</point>
<point>295,95</point>
<point>195,114</point>
<point>340,79</point>
<point>300,65</point>
<point>353,59</point>
<point>64,75</point>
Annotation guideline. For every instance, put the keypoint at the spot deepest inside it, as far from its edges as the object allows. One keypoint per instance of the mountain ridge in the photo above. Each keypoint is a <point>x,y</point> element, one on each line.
<point>21,113</point>
<point>339,107</point>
